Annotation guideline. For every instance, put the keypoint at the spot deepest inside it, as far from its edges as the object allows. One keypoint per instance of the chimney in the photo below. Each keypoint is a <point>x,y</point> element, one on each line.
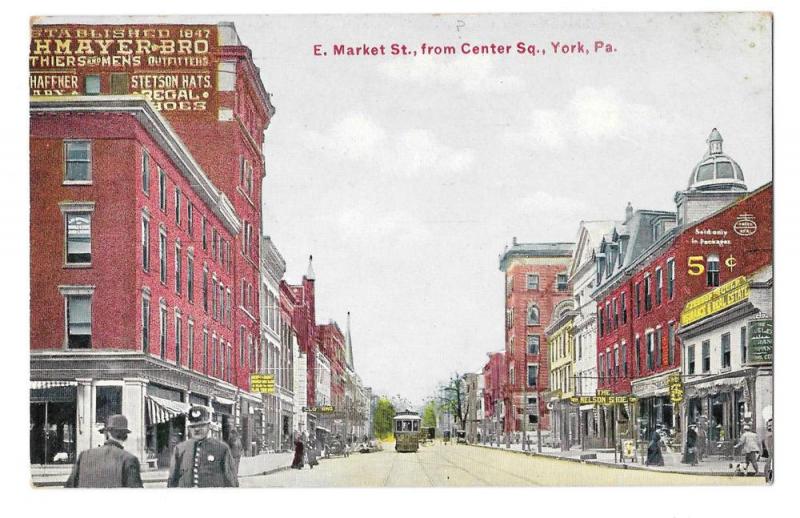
<point>514,241</point>
<point>628,212</point>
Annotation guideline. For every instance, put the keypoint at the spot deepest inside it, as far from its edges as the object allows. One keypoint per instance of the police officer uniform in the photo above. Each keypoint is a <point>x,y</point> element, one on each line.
<point>203,462</point>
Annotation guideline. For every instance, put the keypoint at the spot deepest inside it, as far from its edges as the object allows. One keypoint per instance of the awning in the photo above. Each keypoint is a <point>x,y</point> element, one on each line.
<point>37,385</point>
<point>223,401</point>
<point>711,386</point>
<point>160,410</point>
<point>323,429</point>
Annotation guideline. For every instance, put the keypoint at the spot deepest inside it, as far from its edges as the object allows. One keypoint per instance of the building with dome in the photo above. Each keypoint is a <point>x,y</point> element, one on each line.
<point>660,272</point>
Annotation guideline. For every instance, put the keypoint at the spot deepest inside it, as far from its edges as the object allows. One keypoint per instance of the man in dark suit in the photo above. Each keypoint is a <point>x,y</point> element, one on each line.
<point>201,461</point>
<point>109,465</point>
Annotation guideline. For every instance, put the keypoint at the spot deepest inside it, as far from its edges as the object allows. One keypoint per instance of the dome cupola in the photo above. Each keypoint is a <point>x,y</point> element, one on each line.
<point>717,171</point>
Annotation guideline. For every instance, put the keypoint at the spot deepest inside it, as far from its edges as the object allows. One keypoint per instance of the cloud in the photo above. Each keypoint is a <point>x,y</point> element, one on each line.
<point>544,202</point>
<point>474,74</point>
<point>372,223</point>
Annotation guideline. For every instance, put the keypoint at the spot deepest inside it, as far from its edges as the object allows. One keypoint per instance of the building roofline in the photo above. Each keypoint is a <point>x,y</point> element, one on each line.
<point>160,130</point>
<point>556,249</point>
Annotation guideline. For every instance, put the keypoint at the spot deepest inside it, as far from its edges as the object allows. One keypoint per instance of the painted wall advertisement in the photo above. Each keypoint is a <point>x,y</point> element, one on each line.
<point>730,293</point>
<point>173,66</point>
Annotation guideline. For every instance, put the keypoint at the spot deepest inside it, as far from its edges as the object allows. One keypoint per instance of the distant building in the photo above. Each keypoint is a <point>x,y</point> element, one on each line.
<point>494,378</point>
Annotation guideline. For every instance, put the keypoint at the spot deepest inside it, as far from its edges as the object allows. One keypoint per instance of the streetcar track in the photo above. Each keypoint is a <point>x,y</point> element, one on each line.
<point>501,470</point>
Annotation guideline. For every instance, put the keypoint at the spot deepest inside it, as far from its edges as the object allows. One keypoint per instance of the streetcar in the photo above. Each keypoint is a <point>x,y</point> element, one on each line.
<point>406,431</point>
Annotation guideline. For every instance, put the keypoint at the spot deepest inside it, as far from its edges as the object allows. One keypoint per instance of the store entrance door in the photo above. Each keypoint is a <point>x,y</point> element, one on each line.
<point>52,432</point>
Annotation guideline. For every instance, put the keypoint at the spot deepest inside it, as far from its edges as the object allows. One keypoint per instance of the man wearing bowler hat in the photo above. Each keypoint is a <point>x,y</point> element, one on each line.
<point>201,461</point>
<point>108,465</point>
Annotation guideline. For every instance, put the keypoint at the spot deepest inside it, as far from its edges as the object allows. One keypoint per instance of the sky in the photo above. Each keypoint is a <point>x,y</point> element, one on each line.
<point>406,176</point>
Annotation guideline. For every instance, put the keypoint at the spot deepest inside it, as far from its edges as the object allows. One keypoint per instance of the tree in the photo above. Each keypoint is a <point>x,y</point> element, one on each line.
<point>384,415</point>
<point>455,399</point>
<point>429,415</point>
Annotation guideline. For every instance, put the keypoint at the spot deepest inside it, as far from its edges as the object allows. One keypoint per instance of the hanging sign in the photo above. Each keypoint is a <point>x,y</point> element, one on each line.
<point>759,341</point>
<point>263,383</point>
<point>675,384</point>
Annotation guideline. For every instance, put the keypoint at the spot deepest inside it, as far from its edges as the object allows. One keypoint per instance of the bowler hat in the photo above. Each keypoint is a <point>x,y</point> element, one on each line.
<point>116,422</point>
<point>198,415</point>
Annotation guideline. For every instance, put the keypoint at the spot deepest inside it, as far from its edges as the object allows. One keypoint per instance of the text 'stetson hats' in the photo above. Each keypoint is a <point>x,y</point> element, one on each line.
<point>116,422</point>
<point>198,415</point>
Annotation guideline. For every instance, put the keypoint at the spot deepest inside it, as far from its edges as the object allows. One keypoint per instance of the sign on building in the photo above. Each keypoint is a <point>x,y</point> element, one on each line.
<point>263,383</point>
<point>716,300</point>
<point>759,341</point>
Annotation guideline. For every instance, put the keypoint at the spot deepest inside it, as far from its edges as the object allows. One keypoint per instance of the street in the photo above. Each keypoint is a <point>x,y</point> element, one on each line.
<point>441,465</point>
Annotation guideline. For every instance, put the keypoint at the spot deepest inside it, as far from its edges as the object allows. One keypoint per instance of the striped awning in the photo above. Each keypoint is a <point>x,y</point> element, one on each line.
<point>160,410</point>
<point>37,385</point>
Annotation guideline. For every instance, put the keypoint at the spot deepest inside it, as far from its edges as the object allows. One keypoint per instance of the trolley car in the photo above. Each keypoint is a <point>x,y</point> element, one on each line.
<point>406,431</point>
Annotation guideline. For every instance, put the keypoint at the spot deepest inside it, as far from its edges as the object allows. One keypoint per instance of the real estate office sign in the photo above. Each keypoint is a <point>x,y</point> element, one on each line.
<point>716,300</point>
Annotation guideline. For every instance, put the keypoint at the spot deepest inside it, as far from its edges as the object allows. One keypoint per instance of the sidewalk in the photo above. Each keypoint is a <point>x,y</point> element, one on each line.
<point>55,476</point>
<point>713,466</point>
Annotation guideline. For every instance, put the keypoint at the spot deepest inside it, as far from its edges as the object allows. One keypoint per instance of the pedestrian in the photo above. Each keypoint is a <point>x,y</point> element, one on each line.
<point>749,444</point>
<point>108,465</point>
<point>654,457</point>
<point>311,454</point>
<point>201,460</point>
<point>235,444</point>
<point>702,438</point>
<point>768,452</point>
<point>299,448</point>
<point>691,445</point>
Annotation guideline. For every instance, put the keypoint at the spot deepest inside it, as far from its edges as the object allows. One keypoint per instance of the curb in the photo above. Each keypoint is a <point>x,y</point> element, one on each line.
<point>150,481</point>
<point>609,465</point>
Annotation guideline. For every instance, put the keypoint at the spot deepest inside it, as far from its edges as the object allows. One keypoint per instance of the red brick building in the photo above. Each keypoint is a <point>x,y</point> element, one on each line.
<point>536,285</point>
<point>145,217</point>
<point>649,269</point>
<point>493,380</point>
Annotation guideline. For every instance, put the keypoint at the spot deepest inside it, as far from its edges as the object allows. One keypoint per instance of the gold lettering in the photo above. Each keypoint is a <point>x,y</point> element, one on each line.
<point>104,45</point>
<point>84,47</point>
<point>63,46</point>
<point>41,47</point>
<point>124,46</point>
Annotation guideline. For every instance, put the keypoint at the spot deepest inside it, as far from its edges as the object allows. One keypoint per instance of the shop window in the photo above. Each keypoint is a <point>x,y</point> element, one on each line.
<point>725,351</point>
<point>712,270</point>
<point>533,344</point>
<point>108,402</point>
<point>79,321</point>
<point>92,84</point>
<point>533,315</point>
<point>119,83</point>
<point>706,356</point>
<point>78,237</point>
<point>77,161</point>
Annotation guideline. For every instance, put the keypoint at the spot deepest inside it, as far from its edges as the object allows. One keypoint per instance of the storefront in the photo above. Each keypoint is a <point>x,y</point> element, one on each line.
<point>53,422</point>
<point>655,410</point>
<point>165,422</point>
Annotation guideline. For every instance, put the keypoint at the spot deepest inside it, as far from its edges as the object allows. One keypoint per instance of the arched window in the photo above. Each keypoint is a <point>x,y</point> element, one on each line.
<point>533,315</point>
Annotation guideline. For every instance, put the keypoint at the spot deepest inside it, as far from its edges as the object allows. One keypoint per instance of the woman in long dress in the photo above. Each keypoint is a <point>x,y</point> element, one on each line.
<point>297,461</point>
<point>654,457</point>
<point>311,454</point>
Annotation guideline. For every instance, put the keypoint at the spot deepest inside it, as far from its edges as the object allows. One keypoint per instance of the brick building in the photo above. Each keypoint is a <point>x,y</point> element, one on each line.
<point>537,286</point>
<point>494,377</point>
<point>153,206</point>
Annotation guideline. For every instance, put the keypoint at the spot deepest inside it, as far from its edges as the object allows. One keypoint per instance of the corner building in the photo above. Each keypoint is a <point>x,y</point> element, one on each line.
<point>537,289</point>
<point>145,220</point>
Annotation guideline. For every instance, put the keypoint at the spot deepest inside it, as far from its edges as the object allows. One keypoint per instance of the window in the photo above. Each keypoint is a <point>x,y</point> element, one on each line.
<point>637,301</point>
<point>190,343</point>
<point>671,343</point>
<point>203,230</point>
<point>624,360</point>
<point>214,297</point>
<point>221,302</point>
<point>638,352</point>
<point>659,285</point>
<point>624,308</point>
<point>228,359</point>
<point>616,313</point>
<point>743,343</point>
<point>616,361</point>
<point>214,244</point>
<point>214,345</point>
<point>108,402</point>
<point>178,206</point>
<point>205,350</point>
<point>162,256</point>
<point>648,302</point>
<point>690,359</point>
<point>608,316</point>
<point>92,84</point>
<point>533,375</point>
<point>561,282</point>
<point>241,345</point>
<point>712,270</point>
<point>706,356</point>
<point>162,190</point>
<point>670,278</point>
<point>657,349</point>
<point>177,269</point>
<point>162,330</point>
<point>602,370</point>
<point>533,315</point>
<point>509,285</point>
<point>533,344</point>
<point>77,161</point>
<point>145,244</point>
<point>600,326</point>
<point>178,338</point>
<point>119,83</point>
<point>533,281</point>
<point>145,171</point>
<point>189,218</point>
<point>205,289</point>
<point>79,236</point>
<point>650,351</point>
<point>190,277</point>
<point>145,323</point>
<point>79,317</point>
<point>725,348</point>
<point>228,319</point>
